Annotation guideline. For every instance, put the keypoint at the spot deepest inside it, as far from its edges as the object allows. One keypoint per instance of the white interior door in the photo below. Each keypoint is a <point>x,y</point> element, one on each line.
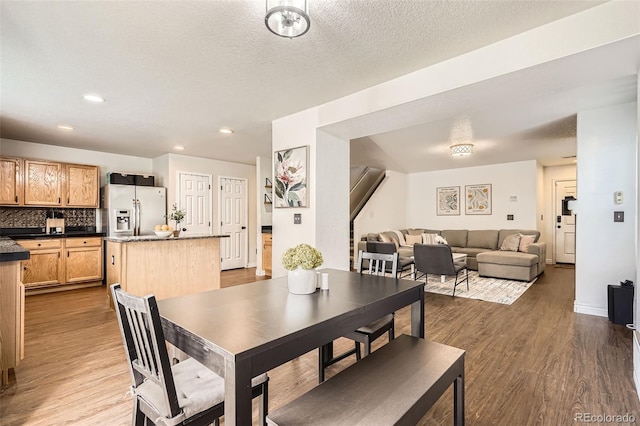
<point>565,247</point>
<point>195,200</point>
<point>233,222</point>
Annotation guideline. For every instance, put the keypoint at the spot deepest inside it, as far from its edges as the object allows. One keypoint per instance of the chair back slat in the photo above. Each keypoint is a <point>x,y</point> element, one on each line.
<point>434,259</point>
<point>378,262</point>
<point>144,343</point>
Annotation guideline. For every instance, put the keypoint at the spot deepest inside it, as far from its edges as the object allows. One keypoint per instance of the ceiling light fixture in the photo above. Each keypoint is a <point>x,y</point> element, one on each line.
<point>461,150</point>
<point>65,127</point>
<point>287,18</point>
<point>226,131</point>
<point>93,98</point>
<point>179,148</point>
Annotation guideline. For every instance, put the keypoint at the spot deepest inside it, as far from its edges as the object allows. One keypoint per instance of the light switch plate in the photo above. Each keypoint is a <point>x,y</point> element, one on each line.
<point>297,218</point>
<point>618,216</point>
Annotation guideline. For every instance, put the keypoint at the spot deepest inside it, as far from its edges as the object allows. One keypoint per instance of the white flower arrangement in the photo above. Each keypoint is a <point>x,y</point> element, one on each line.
<point>303,256</point>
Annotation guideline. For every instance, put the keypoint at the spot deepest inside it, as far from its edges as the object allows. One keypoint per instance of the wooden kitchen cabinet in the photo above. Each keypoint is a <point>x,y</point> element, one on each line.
<point>61,264</point>
<point>42,183</point>
<point>81,186</point>
<point>84,259</point>
<point>266,253</point>
<point>45,266</point>
<point>11,318</point>
<point>11,188</point>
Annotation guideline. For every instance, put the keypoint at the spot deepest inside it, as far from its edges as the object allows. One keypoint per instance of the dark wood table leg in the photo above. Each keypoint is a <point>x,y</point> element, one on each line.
<point>417,316</point>
<point>458,401</point>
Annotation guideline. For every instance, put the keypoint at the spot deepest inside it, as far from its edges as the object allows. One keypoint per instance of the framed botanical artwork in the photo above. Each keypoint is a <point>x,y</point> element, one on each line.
<point>478,199</point>
<point>290,177</point>
<point>448,201</point>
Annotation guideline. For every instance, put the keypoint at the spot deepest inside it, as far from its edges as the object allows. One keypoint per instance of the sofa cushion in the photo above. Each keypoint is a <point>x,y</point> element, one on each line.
<point>507,258</point>
<point>455,237</point>
<point>413,239</point>
<point>469,251</point>
<point>525,242</point>
<point>429,238</point>
<point>415,231</point>
<point>389,237</point>
<point>504,232</point>
<point>511,243</point>
<point>483,239</point>
<point>372,237</point>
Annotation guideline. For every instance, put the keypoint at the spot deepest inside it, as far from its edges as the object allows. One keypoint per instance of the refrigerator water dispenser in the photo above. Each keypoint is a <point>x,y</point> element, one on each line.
<point>123,222</point>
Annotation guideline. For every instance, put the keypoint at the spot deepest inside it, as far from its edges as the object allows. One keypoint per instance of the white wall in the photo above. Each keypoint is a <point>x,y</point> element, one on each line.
<point>385,210</point>
<point>517,179</point>
<point>548,229</point>
<point>607,161</point>
<point>170,164</point>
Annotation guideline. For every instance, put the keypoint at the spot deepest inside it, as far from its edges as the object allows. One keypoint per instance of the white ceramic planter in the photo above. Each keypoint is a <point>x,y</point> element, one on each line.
<point>302,281</point>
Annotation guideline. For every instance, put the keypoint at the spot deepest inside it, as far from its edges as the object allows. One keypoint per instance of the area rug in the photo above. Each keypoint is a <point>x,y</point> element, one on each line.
<point>488,289</point>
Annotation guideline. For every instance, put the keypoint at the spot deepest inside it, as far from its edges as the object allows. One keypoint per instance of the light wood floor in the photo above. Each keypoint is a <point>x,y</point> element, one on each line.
<point>532,363</point>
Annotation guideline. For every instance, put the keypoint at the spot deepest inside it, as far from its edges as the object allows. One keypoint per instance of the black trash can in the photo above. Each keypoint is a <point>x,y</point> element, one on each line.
<point>620,300</point>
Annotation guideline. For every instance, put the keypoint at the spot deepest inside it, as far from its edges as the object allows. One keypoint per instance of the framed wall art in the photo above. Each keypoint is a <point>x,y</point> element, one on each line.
<point>448,201</point>
<point>290,177</point>
<point>478,199</point>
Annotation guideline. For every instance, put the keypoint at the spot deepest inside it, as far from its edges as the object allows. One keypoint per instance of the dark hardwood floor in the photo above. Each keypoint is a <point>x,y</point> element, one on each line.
<point>532,363</point>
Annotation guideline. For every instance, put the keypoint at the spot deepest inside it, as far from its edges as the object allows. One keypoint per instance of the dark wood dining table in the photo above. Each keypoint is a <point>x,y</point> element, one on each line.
<point>242,331</point>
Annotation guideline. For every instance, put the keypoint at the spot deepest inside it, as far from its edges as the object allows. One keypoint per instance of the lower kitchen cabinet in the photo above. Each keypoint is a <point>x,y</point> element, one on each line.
<point>11,318</point>
<point>83,259</point>
<point>266,253</point>
<point>62,264</point>
<point>44,267</point>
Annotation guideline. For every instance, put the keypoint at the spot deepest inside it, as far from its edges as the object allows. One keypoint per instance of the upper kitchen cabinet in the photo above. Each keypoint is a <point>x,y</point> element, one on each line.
<point>11,189</point>
<point>81,186</point>
<point>42,183</point>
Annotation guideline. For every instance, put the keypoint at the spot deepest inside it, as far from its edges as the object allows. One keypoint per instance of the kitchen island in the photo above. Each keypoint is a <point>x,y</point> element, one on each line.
<point>164,267</point>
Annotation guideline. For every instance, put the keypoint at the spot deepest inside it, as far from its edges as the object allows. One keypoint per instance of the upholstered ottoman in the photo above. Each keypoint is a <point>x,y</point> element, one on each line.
<point>511,265</point>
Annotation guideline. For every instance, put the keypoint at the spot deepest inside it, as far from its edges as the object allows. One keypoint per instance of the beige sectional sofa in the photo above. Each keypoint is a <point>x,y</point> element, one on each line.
<point>482,248</point>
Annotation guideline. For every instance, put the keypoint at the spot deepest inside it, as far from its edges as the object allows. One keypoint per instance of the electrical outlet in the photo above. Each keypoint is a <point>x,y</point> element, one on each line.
<point>509,217</point>
<point>297,218</point>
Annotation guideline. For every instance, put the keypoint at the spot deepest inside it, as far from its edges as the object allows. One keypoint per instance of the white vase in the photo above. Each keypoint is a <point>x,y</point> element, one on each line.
<point>302,281</point>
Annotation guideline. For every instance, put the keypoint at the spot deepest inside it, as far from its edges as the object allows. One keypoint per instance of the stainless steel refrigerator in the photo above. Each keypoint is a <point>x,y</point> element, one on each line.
<point>129,210</point>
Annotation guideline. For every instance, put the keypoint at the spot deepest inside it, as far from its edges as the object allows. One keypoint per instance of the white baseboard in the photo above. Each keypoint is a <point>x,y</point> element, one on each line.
<point>590,310</point>
<point>260,272</point>
<point>252,264</point>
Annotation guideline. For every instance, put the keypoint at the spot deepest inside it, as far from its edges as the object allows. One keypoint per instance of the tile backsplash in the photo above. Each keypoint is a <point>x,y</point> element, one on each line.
<point>35,217</point>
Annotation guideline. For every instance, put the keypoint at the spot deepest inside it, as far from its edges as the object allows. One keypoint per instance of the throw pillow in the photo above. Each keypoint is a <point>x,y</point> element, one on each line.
<point>525,242</point>
<point>511,243</point>
<point>386,238</point>
<point>429,238</point>
<point>413,239</point>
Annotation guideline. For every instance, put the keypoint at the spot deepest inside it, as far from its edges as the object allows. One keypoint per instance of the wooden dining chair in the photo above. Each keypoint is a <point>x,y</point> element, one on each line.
<point>437,259</point>
<point>378,264</point>
<point>186,393</point>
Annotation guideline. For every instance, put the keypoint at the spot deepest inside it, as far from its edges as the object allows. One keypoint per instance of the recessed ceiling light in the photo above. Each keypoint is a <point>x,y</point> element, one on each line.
<point>64,127</point>
<point>93,98</point>
<point>179,148</point>
<point>226,131</point>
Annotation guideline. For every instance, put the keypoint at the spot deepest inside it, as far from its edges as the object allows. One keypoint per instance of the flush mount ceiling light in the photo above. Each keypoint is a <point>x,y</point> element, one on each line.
<point>93,98</point>
<point>287,18</point>
<point>461,150</point>
<point>65,127</point>
<point>179,148</point>
<point>226,131</point>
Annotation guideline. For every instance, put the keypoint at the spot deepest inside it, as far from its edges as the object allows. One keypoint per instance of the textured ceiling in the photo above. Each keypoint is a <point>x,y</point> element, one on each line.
<point>175,72</point>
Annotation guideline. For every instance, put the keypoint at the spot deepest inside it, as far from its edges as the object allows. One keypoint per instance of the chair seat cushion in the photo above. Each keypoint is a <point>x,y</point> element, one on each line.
<point>507,258</point>
<point>376,325</point>
<point>197,388</point>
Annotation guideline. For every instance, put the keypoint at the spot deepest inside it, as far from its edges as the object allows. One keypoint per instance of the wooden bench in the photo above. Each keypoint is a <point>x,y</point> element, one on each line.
<point>395,385</point>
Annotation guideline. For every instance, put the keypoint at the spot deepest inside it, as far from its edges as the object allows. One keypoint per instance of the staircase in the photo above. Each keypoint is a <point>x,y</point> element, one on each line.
<point>364,182</point>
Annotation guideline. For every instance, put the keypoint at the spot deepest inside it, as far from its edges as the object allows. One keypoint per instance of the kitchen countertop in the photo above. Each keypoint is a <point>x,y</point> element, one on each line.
<point>38,233</point>
<point>10,250</point>
<point>142,238</point>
